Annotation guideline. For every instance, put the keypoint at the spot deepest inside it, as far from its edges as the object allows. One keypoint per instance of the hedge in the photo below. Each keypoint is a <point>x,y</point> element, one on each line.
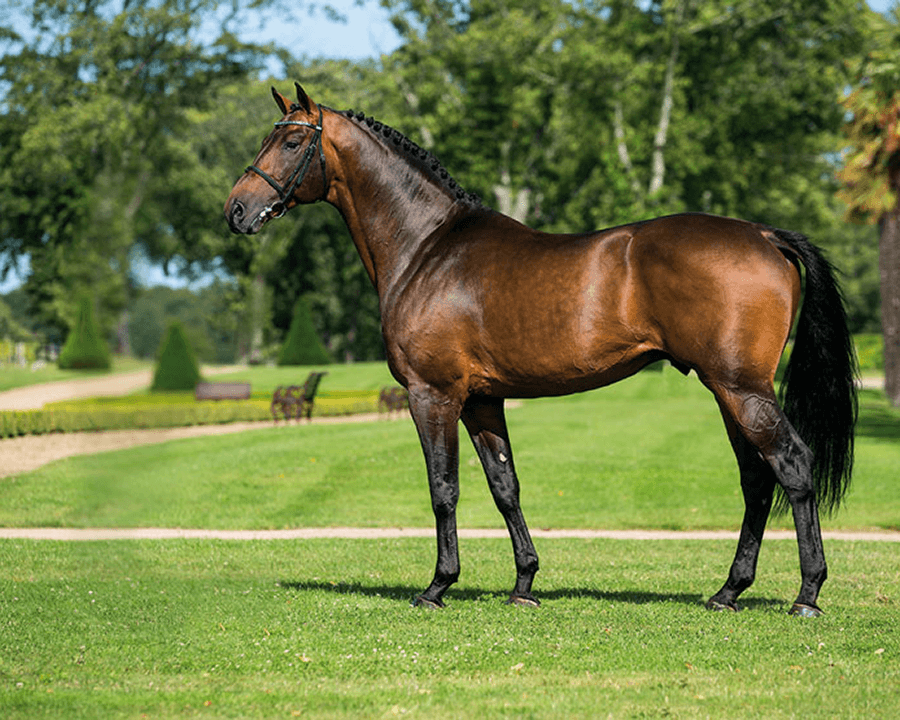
<point>142,413</point>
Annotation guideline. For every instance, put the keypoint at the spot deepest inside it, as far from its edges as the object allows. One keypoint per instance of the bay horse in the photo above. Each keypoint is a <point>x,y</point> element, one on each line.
<point>476,307</point>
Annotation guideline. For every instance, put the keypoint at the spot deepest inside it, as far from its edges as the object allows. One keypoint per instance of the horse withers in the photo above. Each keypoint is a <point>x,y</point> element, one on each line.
<point>476,308</point>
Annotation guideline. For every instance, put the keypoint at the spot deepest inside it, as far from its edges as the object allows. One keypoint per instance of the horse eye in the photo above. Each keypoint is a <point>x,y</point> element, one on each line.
<point>291,145</point>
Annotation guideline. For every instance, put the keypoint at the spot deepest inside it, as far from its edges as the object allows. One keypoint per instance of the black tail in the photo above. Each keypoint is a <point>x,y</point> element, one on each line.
<point>818,392</point>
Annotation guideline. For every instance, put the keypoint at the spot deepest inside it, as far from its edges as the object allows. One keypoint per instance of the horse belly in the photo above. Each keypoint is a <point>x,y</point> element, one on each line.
<point>560,324</point>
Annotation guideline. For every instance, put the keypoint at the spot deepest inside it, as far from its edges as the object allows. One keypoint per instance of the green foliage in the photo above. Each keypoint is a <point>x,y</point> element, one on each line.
<point>871,175</point>
<point>568,101</point>
<point>176,367</point>
<point>871,167</point>
<point>85,346</point>
<point>302,346</point>
<point>206,315</point>
<point>172,411</point>
<point>552,108</point>
<point>10,328</point>
<point>77,194</point>
<point>870,351</point>
<point>346,390</point>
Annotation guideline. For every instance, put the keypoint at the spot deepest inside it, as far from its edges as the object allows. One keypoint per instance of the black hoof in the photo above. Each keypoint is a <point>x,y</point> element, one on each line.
<point>807,611</point>
<point>423,601</point>
<point>523,601</point>
<point>721,607</point>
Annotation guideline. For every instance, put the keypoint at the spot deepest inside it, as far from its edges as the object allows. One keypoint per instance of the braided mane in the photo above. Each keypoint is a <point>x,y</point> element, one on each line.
<point>422,157</point>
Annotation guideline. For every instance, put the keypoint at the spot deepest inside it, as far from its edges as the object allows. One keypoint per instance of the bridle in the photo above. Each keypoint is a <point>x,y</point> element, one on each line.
<point>286,191</point>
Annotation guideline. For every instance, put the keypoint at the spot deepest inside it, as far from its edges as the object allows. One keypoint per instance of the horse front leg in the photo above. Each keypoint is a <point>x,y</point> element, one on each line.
<point>437,421</point>
<point>486,423</point>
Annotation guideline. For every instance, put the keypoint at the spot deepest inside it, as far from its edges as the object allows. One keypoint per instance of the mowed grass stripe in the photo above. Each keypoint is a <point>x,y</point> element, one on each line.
<point>646,453</point>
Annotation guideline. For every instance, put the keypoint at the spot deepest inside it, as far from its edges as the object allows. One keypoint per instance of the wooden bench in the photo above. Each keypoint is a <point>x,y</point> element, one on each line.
<point>294,401</point>
<point>222,391</point>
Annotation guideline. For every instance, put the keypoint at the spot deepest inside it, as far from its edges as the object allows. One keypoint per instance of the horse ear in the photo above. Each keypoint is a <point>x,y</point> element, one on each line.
<point>302,98</point>
<point>283,103</point>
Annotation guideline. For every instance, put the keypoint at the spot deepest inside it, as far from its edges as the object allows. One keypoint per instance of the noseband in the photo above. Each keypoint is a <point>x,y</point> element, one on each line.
<point>286,191</point>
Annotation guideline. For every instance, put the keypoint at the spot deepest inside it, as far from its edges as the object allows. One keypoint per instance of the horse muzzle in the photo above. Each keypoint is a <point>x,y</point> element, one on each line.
<point>247,219</point>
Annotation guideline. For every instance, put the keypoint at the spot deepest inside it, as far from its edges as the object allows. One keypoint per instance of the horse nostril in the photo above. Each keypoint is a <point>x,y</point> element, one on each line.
<point>237,212</point>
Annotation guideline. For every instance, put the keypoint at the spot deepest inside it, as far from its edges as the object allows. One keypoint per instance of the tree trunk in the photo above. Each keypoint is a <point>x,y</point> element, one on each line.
<point>889,266</point>
<point>622,145</point>
<point>513,203</point>
<point>665,110</point>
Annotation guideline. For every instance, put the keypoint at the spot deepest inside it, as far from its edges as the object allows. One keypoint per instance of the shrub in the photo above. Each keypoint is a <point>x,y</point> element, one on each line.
<point>302,346</point>
<point>177,367</point>
<point>85,347</point>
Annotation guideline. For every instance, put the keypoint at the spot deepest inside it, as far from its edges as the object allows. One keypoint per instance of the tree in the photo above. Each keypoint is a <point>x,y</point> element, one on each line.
<point>205,315</point>
<point>177,367</point>
<point>871,177</point>
<point>96,106</point>
<point>10,328</point>
<point>595,112</point>
<point>85,347</point>
<point>302,346</point>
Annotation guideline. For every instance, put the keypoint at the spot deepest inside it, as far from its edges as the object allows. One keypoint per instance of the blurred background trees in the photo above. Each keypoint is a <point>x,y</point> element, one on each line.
<point>124,124</point>
<point>871,176</point>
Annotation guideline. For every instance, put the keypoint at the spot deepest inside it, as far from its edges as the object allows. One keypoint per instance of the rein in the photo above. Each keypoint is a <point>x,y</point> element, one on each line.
<point>286,191</point>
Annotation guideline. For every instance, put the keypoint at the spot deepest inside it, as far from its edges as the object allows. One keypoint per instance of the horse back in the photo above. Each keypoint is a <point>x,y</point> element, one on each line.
<point>497,308</point>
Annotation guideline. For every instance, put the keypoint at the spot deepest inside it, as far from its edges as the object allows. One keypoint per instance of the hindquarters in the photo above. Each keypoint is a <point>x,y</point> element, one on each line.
<point>724,295</point>
<point>719,297</point>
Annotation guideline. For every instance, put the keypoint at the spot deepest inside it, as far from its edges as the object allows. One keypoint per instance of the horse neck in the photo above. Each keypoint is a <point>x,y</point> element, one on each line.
<point>391,208</point>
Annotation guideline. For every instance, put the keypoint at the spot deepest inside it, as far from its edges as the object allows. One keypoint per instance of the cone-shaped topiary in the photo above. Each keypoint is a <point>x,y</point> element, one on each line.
<point>176,368</point>
<point>302,346</point>
<point>85,346</point>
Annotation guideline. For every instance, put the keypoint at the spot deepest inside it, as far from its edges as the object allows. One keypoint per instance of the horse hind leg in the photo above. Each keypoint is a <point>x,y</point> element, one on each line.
<point>757,485</point>
<point>485,421</point>
<point>760,422</point>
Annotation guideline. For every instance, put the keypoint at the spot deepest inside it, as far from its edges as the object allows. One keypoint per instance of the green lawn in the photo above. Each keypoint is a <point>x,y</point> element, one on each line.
<point>323,629</point>
<point>649,452</point>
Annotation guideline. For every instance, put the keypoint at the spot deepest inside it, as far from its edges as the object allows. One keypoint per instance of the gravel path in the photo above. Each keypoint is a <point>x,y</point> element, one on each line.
<point>23,454</point>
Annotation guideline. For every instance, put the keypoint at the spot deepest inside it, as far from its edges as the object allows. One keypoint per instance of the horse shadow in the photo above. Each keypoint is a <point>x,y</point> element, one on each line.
<point>408,593</point>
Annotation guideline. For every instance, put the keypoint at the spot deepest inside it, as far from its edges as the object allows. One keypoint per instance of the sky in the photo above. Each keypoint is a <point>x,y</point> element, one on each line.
<point>367,33</point>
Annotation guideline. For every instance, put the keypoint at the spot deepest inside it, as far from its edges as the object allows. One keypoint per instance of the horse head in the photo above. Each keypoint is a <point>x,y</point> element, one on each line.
<point>288,170</point>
